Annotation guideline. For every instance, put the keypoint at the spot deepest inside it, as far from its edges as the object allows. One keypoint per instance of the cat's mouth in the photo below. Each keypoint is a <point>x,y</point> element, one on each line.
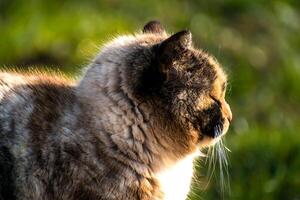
<point>210,134</point>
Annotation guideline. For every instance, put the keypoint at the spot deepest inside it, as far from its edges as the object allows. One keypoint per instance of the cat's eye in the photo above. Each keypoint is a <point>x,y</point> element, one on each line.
<point>215,100</point>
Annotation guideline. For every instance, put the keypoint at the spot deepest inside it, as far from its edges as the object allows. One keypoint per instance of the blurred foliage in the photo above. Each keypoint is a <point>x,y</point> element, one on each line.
<point>257,42</point>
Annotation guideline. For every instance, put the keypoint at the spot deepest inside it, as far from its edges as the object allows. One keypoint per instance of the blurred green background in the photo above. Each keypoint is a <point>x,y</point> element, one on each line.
<point>257,42</point>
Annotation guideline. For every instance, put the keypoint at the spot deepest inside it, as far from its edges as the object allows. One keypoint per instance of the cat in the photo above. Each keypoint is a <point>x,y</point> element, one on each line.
<point>129,129</point>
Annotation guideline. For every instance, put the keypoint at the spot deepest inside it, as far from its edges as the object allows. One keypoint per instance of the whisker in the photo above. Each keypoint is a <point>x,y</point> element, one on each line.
<point>223,167</point>
<point>217,156</point>
<point>211,163</point>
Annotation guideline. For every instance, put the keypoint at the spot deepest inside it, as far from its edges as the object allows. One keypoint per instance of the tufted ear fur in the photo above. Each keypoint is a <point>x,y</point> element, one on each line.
<point>172,48</point>
<point>153,27</point>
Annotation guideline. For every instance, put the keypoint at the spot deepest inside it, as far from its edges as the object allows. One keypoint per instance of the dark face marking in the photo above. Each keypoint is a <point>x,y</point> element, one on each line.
<point>211,121</point>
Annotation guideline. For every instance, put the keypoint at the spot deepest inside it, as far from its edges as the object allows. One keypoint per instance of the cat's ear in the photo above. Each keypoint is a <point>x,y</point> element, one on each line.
<point>172,48</point>
<point>154,27</point>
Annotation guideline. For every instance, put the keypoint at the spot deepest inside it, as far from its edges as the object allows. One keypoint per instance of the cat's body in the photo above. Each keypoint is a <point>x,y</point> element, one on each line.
<point>107,137</point>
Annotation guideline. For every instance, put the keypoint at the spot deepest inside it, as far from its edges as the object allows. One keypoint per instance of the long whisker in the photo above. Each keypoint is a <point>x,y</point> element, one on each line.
<point>223,167</point>
<point>211,163</point>
<point>212,157</point>
<point>217,155</point>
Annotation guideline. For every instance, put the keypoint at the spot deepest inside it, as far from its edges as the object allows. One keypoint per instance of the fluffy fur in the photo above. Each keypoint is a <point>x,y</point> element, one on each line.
<point>143,109</point>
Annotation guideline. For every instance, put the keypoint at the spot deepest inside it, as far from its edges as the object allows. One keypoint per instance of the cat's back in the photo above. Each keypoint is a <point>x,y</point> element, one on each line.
<point>33,111</point>
<point>15,87</point>
<point>27,97</point>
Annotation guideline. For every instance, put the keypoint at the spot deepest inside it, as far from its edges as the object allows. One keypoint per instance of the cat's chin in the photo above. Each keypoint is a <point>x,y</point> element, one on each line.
<point>207,141</point>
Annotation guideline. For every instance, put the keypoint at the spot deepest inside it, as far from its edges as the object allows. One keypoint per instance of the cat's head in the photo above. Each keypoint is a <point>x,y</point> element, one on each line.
<point>186,84</point>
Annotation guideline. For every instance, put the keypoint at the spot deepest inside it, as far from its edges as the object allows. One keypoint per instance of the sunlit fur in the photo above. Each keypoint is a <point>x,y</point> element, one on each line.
<point>128,129</point>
